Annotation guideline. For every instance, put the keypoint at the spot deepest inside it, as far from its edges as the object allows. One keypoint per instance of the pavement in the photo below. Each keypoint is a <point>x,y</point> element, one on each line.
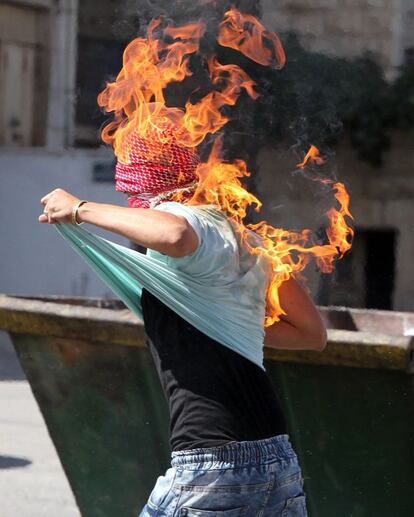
<point>32,481</point>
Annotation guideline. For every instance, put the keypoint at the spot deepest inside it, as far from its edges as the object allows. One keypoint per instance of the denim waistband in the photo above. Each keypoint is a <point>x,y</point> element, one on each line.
<point>238,454</point>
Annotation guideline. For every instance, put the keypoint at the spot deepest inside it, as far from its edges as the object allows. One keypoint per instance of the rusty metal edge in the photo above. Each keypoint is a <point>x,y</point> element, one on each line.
<point>122,327</point>
<point>355,349</point>
<point>24,316</point>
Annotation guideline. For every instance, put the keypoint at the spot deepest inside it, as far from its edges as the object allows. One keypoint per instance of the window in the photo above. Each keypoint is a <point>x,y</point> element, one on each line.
<point>101,42</point>
<point>365,276</point>
<point>24,75</point>
<point>98,60</point>
<point>409,57</point>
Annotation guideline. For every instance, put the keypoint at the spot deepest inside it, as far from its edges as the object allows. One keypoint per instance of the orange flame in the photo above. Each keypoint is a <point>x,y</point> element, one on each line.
<point>136,98</point>
<point>205,116</point>
<point>313,156</point>
<point>244,33</point>
<point>220,184</point>
<point>288,252</point>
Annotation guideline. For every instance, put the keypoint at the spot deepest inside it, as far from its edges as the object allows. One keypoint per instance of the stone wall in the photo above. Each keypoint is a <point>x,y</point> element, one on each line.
<point>347,28</point>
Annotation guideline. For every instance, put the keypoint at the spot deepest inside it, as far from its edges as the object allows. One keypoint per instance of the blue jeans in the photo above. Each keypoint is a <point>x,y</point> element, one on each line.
<point>238,479</point>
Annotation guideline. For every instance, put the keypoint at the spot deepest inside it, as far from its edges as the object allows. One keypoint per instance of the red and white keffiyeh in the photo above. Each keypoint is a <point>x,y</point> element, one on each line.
<point>156,166</point>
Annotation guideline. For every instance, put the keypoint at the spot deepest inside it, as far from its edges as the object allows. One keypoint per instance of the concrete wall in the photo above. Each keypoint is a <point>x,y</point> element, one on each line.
<point>347,28</point>
<point>34,259</point>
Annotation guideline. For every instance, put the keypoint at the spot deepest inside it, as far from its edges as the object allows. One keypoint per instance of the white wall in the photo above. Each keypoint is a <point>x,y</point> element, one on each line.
<point>34,258</point>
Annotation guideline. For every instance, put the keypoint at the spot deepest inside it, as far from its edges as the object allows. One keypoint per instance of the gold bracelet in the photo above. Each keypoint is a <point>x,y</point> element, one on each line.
<point>75,211</point>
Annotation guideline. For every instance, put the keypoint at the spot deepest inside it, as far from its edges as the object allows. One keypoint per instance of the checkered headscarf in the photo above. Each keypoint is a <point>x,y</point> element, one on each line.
<point>155,166</point>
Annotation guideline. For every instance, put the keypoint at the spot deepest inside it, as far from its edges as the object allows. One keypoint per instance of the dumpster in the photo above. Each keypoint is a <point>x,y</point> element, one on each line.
<point>350,409</point>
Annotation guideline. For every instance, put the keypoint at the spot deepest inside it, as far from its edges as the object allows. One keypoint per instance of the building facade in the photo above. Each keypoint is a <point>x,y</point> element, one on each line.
<point>348,28</point>
<point>55,58</point>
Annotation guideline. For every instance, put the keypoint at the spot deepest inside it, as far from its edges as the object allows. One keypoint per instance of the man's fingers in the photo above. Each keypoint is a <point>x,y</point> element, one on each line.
<point>47,212</point>
<point>47,209</point>
<point>56,217</point>
<point>46,198</point>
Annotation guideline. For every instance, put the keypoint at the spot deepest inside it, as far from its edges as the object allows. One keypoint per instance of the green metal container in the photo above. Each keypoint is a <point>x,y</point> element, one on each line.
<point>350,409</point>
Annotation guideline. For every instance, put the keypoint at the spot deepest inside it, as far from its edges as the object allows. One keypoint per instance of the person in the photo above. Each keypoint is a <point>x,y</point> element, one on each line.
<point>230,449</point>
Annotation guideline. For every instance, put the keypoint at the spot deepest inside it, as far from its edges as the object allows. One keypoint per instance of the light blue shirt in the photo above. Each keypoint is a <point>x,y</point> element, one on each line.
<point>219,288</point>
<point>221,260</point>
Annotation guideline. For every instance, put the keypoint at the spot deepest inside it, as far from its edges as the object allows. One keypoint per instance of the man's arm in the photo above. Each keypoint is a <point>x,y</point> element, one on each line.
<point>161,231</point>
<point>167,233</point>
<point>302,327</point>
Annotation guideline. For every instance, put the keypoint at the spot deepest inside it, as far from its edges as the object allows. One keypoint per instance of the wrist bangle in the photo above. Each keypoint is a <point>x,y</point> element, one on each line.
<point>75,212</point>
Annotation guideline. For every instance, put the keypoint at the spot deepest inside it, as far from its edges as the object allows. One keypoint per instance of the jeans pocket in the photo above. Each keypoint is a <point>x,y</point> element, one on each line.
<point>161,489</point>
<point>295,507</point>
<point>186,511</point>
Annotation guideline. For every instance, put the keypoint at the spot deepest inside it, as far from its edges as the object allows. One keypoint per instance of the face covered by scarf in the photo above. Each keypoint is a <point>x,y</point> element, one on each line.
<point>156,167</point>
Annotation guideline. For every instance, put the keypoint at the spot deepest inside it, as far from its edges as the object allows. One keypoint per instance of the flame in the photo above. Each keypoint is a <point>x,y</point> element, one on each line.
<point>137,96</point>
<point>288,252</point>
<point>313,156</point>
<point>205,116</point>
<point>291,252</point>
<point>220,184</point>
<point>244,33</point>
<point>136,99</point>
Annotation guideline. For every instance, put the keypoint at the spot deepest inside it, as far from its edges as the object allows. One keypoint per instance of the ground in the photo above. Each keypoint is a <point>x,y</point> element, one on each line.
<point>32,481</point>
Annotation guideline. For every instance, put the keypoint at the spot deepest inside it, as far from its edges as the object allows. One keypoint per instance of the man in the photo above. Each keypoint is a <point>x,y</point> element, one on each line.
<point>231,454</point>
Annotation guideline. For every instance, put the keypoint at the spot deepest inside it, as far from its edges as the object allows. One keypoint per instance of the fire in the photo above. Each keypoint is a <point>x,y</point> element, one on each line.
<point>220,184</point>
<point>288,252</point>
<point>247,35</point>
<point>137,96</point>
<point>205,116</point>
<point>313,156</point>
<point>136,99</point>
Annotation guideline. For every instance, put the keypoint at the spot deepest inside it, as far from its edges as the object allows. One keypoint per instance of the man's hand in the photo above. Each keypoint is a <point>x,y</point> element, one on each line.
<point>58,204</point>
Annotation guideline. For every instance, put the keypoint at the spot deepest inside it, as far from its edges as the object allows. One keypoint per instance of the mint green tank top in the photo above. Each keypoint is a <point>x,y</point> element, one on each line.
<point>220,288</point>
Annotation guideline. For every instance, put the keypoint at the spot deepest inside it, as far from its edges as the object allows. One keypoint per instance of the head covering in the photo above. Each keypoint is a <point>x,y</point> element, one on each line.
<point>155,166</point>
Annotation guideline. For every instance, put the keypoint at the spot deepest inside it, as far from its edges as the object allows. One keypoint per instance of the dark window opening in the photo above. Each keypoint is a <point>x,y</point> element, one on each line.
<point>409,56</point>
<point>365,276</point>
<point>104,33</point>
<point>98,60</point>
<point>379,269</point>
